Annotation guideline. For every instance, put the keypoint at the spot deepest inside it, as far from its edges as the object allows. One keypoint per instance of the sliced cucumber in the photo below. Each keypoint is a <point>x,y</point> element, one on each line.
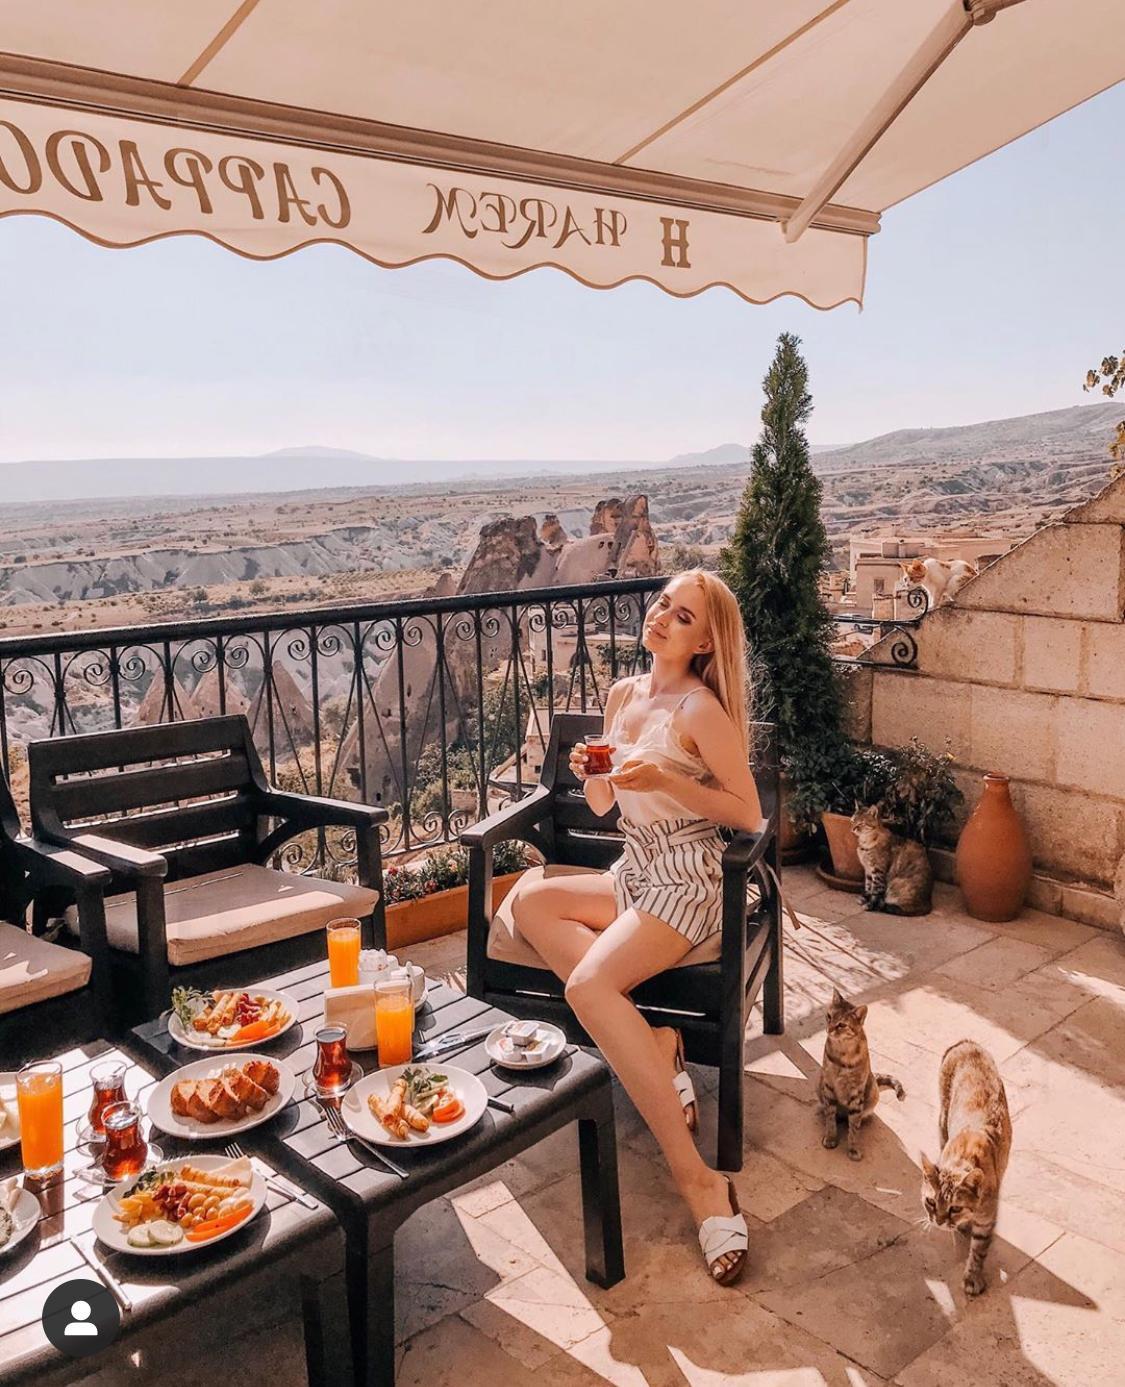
<point>164,1233</point>
<point>139,1236</point>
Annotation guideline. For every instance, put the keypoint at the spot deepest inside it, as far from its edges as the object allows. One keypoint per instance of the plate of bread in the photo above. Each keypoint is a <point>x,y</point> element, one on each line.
<point>210,1100</point>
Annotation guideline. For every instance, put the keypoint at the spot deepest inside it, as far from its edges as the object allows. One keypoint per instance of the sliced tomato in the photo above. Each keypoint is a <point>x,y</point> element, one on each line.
<point>449,1111</point>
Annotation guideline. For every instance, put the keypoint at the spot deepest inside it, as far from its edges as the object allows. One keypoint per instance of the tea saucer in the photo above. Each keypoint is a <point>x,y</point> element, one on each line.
<point>94,1174</point>
<point>311,1090</point>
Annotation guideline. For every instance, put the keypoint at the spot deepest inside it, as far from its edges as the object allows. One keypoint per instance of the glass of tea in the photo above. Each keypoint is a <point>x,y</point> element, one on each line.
<point>343,952</point>
<point>109,1087</point>
<point>126,1150</point>
<point>599,753</point>
<point>394,1020</point>
<point>332,1070</point>
<point>39,1095</point>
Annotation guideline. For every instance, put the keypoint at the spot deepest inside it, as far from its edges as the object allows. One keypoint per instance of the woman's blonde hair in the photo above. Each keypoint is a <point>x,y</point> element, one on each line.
<point>724,667</point>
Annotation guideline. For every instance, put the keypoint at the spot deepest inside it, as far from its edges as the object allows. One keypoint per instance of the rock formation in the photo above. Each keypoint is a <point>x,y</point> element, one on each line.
<point>513,554</point>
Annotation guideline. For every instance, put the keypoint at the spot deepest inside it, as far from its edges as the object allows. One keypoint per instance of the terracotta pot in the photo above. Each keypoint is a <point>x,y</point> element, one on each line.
<point>843,846</point>
<point>445,912</point>
<point>793,843</point>
<point>993,856</point>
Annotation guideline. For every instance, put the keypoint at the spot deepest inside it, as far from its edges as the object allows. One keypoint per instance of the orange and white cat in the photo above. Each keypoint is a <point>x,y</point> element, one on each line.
<point>941,579</point>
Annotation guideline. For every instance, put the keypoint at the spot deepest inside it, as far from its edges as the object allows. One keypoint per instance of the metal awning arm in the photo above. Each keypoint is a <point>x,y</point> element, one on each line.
<point>962,16</point>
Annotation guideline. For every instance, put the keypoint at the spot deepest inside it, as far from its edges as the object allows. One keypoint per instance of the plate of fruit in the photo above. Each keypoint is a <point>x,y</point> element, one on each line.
<point>179,1206</point>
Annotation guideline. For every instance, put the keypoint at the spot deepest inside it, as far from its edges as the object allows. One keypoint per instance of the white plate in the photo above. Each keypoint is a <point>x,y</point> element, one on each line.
<point>200,1040</point>
<point>554,1043</point>
<point>25,1216</point>
<point>115,1235</point>
<point>364,1123</point>
<point>159,1106</point>
<point>8,1088</point>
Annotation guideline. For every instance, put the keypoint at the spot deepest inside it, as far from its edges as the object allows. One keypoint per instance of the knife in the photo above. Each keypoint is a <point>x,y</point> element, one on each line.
<point>104,1274</point>
<point>451,1040</point>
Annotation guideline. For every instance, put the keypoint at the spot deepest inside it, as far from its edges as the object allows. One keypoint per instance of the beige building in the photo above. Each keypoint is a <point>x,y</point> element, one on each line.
<point>1024,674</point>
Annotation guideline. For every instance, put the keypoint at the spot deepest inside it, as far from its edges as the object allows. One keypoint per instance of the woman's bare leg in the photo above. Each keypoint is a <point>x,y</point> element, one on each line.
<point>635,947</point>
<point>561,917</point>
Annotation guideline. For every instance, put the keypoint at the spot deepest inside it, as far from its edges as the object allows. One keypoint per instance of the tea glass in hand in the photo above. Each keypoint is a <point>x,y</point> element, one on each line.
<point>599,756</point>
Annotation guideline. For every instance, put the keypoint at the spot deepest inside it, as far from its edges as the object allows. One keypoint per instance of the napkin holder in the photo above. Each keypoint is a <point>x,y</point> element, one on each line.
<point>354,1009</point>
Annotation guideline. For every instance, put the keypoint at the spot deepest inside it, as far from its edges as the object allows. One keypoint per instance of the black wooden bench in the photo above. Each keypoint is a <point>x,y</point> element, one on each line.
<point>50,995</point>
<point>710,994</point>
<point>185,820</point>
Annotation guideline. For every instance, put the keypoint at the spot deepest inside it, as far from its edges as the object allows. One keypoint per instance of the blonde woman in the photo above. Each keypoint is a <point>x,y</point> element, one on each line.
<point>683,770</point>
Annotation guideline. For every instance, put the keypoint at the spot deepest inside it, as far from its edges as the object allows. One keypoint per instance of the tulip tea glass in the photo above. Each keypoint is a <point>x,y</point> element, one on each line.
<point>599,753</point>
<point>109,1088</point>
<point>332,1069</point>
<point>126,1150</point>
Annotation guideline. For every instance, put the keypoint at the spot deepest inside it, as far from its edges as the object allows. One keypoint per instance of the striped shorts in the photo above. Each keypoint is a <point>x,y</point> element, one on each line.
<point>673,870</point>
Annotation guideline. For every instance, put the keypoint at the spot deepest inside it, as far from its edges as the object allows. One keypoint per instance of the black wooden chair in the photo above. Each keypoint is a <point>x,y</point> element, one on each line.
<point>185,820</point>
<point>709,995</point>
<point>51,996</point>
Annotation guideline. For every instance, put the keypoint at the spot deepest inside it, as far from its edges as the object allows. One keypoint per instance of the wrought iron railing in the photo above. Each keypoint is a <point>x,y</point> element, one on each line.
<point>434,708</point>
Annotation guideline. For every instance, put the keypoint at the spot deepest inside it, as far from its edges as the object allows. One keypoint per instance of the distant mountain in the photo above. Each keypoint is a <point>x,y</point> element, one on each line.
<point>728,453</point>
<point>1056,435</point>
<point>317,450</point>
<point>1058,438</point>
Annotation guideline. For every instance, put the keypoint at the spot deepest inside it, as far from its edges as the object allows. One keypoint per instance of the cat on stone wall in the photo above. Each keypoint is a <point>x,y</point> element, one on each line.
<point>941,579</point>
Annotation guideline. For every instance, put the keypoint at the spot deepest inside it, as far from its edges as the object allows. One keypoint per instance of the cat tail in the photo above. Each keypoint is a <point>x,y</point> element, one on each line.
<point>887,1081</point>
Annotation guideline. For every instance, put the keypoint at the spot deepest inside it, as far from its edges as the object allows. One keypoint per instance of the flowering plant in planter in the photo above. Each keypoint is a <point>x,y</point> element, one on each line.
<point>447,868</point>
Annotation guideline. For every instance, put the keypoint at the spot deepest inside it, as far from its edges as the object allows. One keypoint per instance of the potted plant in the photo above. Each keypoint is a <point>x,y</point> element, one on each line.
<point>832,779</point>
<point>431,897</point>
<point>922,796</point>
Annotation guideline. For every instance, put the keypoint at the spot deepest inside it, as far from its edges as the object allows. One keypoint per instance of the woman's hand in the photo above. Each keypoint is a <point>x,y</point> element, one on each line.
<point>640,776</point>
<point>578,760</point>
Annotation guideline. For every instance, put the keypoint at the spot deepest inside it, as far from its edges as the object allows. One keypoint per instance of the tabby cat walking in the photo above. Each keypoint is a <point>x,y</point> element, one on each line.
<point>963,1190</point>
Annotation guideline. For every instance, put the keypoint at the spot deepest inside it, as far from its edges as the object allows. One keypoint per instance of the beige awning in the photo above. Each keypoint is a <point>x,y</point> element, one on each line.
<point>751,143</point>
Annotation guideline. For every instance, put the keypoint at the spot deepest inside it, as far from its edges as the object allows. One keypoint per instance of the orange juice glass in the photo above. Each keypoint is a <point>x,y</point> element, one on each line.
<point>394,1021</point>
<point>343,952</point>
<point>39,1093</point>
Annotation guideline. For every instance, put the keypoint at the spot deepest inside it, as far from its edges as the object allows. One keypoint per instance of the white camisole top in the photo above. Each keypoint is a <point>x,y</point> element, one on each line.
<point>658,741</point>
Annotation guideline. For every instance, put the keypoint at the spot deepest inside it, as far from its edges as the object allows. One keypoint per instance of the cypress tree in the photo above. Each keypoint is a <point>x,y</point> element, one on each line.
<point>773,563</point>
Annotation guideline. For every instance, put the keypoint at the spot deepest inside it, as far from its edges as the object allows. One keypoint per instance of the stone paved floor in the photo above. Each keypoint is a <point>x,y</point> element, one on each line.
<point>845,1288</point>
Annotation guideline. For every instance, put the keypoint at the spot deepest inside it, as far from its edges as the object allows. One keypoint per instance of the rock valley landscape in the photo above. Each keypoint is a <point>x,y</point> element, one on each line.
<point>113,559</point>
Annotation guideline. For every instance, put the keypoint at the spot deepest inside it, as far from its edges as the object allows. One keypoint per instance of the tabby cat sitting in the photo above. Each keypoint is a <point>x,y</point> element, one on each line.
<point>847,1086</point>
<point>963,1190</point>
<point>897,876</point>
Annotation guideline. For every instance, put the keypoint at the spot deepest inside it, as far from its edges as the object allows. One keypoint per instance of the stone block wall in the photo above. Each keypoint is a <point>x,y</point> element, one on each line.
<point>1025,674</point>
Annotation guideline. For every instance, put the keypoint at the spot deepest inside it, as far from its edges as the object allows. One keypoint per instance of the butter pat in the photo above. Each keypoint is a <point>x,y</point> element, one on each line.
<point>354,1009</point>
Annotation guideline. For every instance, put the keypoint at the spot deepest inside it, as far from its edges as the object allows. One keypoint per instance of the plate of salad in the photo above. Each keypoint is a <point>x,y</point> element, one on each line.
<point>414,1105</point>
<point>229,1018</point>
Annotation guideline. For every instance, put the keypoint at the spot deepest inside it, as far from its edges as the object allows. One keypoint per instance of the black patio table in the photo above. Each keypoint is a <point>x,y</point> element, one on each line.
<point>289,1259</point>
<point>371,1201</point>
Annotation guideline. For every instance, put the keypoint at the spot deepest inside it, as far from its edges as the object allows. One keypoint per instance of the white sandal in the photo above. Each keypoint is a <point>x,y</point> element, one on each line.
<point>721,1235</point>
<point>681,1082</point>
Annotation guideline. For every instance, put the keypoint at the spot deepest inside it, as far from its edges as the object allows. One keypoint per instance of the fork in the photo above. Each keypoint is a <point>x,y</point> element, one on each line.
<point>341,1132</point>
<point>236,1153</point>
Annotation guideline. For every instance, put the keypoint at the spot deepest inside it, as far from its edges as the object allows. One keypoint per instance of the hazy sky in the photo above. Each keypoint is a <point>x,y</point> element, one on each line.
<point>987,296</point>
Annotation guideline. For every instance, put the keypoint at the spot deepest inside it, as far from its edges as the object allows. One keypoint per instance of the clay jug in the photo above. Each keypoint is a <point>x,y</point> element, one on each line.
<point>993,856</point>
